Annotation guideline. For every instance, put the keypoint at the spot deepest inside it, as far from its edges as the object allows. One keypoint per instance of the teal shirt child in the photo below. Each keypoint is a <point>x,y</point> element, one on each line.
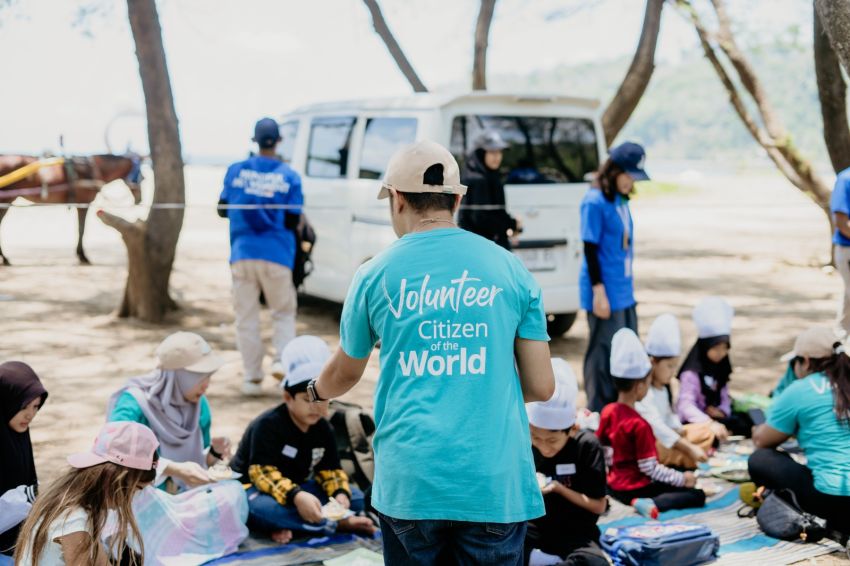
<point>452,438</point>
<point>128,409</point>
<point>806,410</point>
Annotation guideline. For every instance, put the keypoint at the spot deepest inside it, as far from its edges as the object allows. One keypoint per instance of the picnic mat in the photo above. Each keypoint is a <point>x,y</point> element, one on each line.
<point>263,552</point>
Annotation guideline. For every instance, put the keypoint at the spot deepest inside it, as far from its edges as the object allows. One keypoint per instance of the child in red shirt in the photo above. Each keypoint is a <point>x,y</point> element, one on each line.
<point>634,475</point>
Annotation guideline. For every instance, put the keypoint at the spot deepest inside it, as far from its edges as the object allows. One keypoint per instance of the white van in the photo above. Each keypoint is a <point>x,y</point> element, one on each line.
<point>341,148</point>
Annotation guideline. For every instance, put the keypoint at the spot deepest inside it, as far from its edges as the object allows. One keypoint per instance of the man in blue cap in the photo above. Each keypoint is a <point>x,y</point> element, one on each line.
<point>267,197</point>
<point>605,282</point>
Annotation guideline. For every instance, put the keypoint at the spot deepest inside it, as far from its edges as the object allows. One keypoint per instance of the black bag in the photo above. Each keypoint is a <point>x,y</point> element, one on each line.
<point>780,517</point>
<point>354,428</point>
<point>305,239</point>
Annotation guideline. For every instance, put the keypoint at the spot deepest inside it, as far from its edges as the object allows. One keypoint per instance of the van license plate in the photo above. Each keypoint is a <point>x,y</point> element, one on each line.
<point>538,259</point>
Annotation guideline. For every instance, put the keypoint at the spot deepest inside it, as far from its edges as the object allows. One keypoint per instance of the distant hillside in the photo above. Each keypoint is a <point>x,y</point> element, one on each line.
<point>685,112</point>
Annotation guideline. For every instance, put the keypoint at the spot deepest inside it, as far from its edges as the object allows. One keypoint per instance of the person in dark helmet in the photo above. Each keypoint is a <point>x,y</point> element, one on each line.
<point>486,188</point>
<point>262,249</point>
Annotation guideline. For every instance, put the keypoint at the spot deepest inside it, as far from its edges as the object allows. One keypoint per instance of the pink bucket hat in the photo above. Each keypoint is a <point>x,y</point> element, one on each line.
<point>125,443</point>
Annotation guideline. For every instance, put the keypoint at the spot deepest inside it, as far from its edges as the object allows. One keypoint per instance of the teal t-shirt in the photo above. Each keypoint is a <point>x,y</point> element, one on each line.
<point>786,380</point>
<point>127,409</point>
<point>806,409</point>
<point>452,438</point>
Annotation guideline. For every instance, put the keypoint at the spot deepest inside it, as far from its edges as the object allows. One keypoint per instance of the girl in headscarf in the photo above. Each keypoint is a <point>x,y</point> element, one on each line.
<point>704,377</point>
<point>21,396</point>
<point>170,400</point>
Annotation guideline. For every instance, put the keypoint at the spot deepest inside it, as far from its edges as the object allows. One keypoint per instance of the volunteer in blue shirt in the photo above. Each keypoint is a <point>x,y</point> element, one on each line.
<point>840,207</point>
<point>463,344</point>
<point>262,249</point>
<point>605,282</point>
<point>815,409</point>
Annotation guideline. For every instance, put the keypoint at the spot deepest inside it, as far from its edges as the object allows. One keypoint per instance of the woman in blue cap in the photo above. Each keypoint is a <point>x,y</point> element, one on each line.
<point>605,282</point>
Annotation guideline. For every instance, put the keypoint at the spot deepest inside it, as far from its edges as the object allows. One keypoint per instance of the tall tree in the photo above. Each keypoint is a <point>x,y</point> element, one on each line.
<point>151,244</point>
<point>768,130</point>
<point>637,78</point>
<point>832,92</point>
<point>835,17</point>
<point>393,47</point>
<point>482,36</point>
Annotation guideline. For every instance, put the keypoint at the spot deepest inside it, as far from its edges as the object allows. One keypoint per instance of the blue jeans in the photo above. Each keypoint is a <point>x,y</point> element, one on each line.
<point>6,560</point>
<point>267,515</point>
<point>436,542</point>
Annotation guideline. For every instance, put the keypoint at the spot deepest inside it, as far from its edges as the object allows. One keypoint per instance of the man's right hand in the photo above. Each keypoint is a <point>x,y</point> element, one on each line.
<point>191,473</point>
<point>601,306</point>
<point>309,507</point>
<point>690,479</point>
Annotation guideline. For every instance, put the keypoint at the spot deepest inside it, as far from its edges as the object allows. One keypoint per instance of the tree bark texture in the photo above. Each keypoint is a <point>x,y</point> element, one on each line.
<point>637,78</point>
<point>383,30</point>
<point>835,17</point>
<point>151,244</point>
<point>832,92</point>
<point>771,133</point>
<point>482,35</point>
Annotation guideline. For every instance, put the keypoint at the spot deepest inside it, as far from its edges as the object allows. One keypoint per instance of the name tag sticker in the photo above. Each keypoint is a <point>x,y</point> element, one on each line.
<point>565,469</point>
<point>290,451</point>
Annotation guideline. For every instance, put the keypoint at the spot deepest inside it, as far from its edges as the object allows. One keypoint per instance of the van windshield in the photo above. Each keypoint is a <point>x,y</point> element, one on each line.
<point>542,149</point>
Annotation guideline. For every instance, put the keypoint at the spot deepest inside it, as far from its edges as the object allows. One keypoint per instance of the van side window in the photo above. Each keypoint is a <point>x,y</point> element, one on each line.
<point>542,149</point>
<point>330,139</point>
<point>288,131</point>
<point>383,136</point>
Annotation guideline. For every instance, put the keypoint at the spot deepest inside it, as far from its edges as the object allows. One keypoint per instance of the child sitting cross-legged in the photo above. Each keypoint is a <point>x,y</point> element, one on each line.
<point>635,476</point>
<point>289,453</point>
<point>571,470</point>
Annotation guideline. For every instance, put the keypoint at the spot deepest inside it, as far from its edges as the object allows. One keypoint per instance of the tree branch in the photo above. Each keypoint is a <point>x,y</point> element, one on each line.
<point>832,92</point>
<point>835,17</point>
<point>637,77</point>
<point>482,34</point>
<point>393,47</point>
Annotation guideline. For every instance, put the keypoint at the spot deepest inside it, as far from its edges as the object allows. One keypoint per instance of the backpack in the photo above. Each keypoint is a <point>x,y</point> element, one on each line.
<point>780,516</point>
<point>305,240</point>
<point>661,544</point>
<point>354,428</point>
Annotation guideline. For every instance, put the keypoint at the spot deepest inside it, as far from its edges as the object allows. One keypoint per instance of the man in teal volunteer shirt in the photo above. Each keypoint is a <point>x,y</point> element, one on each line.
<point>840,207</point>
<point>262,249</point>
<point>463,344</point>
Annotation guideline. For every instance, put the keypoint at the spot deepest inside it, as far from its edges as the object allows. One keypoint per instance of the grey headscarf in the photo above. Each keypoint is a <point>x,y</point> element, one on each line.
<point>174,420</point>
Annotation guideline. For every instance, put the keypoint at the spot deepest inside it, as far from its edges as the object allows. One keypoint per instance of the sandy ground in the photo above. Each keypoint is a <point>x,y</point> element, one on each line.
<point>746,235</point>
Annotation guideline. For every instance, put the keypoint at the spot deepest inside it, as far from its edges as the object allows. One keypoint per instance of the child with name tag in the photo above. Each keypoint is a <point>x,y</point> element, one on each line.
<point>289,454</point>
<point>678,445</point>
<point>571,470</point>
<point>635,476</point>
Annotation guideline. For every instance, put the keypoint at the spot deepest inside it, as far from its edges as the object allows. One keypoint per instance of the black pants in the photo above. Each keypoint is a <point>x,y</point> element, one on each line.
<point>598,382</point>
<point>666,496</point>
<point>777,470</point>
<point>572,552</point>
<point>738,423</point>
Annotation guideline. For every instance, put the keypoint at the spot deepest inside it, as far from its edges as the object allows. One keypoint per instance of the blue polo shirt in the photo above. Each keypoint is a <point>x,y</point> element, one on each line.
<point>260,233</point>
<point>806,409</point>
<point>603,223</point>
<point>840,202</point>
<point>452,438</point>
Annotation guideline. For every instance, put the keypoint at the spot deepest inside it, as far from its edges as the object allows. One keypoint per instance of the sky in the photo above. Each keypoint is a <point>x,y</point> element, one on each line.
<point>232,62</point>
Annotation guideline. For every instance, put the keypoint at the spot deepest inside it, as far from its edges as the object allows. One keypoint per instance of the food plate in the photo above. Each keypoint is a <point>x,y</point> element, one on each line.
<point>542,480</point>
<point>333,511</point>
<point>736,473</point>
<point>222,473</point>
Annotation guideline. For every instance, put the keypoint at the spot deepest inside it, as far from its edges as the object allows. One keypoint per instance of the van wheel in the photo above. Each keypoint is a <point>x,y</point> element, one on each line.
<point>559,324</point>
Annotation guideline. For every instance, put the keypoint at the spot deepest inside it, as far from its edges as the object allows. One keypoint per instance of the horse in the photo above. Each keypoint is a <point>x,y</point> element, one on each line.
<point>74,180</point>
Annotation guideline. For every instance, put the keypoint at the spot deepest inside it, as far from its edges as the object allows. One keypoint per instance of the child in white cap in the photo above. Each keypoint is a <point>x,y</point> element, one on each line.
<point>677,445</point>
<point>285,446</point>
<point>572,468</point>
<point>704,377</point>
<point>635,476</point>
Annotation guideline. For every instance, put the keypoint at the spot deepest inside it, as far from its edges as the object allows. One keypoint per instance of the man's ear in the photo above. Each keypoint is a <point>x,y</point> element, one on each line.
<point>398,201</point>
<point>458,199</point>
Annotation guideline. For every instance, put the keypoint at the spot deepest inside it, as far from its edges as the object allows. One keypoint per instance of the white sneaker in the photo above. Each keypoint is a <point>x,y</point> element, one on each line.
<point>277,371</point>
<point>252,388</point>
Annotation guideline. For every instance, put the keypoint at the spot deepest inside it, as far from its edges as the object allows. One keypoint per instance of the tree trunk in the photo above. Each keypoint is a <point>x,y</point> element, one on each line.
<point>637,77</point>
<point>482,34</point>
<point>151,244</point>
<point>832,92</point>
<point>393,47</point>
<point>772,137</point>
<point>835,17</point>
